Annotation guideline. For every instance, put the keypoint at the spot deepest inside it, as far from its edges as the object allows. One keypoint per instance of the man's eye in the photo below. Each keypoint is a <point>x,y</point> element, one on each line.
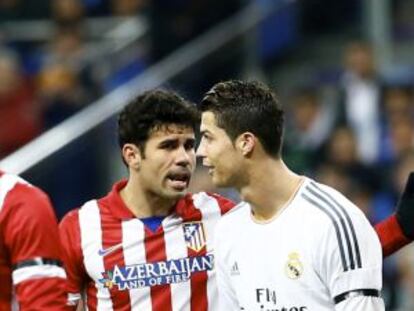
<point>189,145</point>
<point>168,145</point>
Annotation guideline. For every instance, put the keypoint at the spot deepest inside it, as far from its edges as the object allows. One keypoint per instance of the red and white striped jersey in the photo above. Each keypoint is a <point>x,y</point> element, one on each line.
<point>31,274</point>
<point>117,263</point>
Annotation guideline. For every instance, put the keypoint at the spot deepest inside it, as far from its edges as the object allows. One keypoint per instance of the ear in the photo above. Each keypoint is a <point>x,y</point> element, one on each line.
<point>132,156</point>
<point>246,143</point>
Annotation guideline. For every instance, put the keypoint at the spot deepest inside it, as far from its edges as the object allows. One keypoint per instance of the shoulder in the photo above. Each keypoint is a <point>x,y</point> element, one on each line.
<point>212,198</point>
<point>330,202</point>
<point>72,218</point>
<point>16,191</point>
<point>20,199</point>
<point>206,202</point>
<point>235,217</point>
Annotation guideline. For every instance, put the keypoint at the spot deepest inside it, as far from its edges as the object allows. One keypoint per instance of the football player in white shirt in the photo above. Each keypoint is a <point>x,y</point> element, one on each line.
<point>295,245</point>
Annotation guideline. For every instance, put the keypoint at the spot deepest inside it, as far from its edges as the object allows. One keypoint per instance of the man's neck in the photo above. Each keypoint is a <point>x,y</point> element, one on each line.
<point>144,203</point>
<point>270,189</point>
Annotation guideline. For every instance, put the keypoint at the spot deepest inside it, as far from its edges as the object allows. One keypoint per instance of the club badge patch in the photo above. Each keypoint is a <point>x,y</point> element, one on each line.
<point>293,267</point>
<point>194,235</point>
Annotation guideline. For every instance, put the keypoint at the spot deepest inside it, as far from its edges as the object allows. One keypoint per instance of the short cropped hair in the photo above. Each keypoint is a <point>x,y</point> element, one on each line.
<point>240,107</point>
<point>152,110</point>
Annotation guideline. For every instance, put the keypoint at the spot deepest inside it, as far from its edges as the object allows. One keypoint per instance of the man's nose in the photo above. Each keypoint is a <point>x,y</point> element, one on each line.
<point>200,150</point>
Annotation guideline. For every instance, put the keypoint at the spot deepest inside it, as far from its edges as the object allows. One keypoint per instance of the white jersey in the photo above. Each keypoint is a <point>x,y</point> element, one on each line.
<point>320,253</point>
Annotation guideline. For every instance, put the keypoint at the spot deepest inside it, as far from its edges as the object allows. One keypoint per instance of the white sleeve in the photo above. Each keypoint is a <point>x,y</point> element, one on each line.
<point>351,265</point>
<point>361,303</point>
<point>227,299</point>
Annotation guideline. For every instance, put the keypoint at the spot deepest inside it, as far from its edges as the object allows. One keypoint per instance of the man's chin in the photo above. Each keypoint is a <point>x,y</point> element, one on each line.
<point>176,194</point>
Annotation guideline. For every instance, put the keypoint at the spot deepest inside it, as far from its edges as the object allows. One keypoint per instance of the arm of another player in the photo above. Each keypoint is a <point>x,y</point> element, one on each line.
<point>31,235</point>
<point>398,230</point>
<point>227,299</point>
<point>72,257</point>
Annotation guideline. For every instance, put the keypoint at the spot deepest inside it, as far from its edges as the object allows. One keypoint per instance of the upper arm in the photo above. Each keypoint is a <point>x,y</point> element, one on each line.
<point>361,303</point>
<point>32,239</point>
<point>72,256</point>
<point>351,260</point>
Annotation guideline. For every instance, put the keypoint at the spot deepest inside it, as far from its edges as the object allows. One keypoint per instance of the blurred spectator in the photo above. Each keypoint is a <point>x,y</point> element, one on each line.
<point>175,22</point>
<point>341,151</point>
<point>20,118</point>
<point>360,102</point>
<point>67,11</point>
<point>397,124</point>
<point>403,19</point>
<point>126,8</point>
<point>67,46</point>
<point>309,124</point>
<point>60,92</point>
<point>398,102</point>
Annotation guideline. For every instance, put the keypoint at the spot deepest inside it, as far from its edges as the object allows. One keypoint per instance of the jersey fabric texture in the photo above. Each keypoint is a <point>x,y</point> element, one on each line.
<point>117,263</point>
<point>31,273</point>
<point>319,253</point>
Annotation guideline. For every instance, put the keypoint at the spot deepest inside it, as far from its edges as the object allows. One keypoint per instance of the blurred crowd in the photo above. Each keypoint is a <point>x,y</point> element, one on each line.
<point>42,83</point>
<point>355,133</point>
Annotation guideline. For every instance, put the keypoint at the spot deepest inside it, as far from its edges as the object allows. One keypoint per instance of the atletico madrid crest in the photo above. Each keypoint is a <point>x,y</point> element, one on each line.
<point>194,235</point>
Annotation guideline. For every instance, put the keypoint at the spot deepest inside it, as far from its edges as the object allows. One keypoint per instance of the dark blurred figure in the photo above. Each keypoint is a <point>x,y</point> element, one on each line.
<point>127,8</point>
<point>11,10</point>
<point>20,115</point>
<point>325,16</point>
<point>397,124</point>
<point>176,22</point>
<point>309,124</point>
<point>61,93</point>
<point>341,151</point>
<point>68,11</point>
<point>360,97</point>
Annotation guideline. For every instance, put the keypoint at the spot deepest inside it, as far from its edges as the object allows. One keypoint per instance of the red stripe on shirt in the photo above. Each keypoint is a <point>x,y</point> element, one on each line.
<point>156,251</point>
<point>224,204</point>
<point>199,299</point>
<point>112,235</point>
<point>91,293</point>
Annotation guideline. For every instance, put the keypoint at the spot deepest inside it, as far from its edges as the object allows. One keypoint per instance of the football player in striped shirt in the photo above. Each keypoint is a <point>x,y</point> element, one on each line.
<point>31,272</point>
<point>147,245</point>
<point>293,244</point>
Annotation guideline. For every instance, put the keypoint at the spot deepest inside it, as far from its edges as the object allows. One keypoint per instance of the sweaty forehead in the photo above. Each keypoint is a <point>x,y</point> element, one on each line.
<point>171,129</point>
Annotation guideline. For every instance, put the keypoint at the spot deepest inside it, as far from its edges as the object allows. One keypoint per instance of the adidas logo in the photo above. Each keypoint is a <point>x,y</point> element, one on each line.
<point>235,269</point>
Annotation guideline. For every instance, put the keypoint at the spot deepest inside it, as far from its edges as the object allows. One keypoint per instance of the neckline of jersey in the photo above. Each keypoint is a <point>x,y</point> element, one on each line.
<point>284,207</point>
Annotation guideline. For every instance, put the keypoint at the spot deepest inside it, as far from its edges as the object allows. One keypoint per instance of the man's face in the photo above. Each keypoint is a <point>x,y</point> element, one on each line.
<point>168,161</point>
<point>218,153</point>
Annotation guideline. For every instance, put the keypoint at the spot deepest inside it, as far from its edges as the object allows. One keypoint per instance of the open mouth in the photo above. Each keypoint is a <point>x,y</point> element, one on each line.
<point>179,180</point>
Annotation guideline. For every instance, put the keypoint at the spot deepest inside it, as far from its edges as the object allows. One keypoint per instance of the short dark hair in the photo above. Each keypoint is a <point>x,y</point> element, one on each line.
<point>150,111</point>
<point>240,107</point>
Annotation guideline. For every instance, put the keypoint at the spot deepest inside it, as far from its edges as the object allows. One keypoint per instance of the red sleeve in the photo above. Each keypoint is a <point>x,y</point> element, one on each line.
<point>224,203</point>
<point>32,239</point>
<point>72,256</point>
<point>391,236</point>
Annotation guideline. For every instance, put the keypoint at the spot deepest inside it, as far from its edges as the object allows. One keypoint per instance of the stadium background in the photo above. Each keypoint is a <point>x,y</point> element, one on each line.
<point>344,71</point>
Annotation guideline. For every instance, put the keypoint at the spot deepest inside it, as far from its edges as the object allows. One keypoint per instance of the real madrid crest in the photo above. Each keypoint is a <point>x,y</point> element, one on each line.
<point>293,267</point>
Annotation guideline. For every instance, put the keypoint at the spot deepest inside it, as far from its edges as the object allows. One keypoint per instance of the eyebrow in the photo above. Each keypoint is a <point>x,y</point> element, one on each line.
<point>204,132</point>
